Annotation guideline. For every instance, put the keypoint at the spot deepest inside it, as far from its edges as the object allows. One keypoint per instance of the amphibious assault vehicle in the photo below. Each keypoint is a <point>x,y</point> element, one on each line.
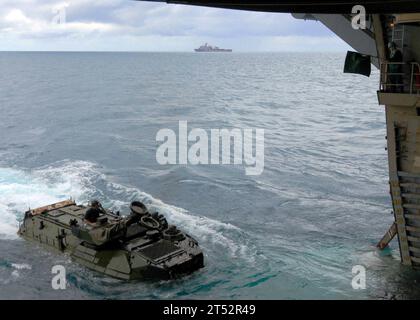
<point>139,246</point>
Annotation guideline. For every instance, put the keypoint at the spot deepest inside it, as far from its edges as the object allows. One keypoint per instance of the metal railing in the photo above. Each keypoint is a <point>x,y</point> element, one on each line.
<point>404,77</point>
<point>415,78</point>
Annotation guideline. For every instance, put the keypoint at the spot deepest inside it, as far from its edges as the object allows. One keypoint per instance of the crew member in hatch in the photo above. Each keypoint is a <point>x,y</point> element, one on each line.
<point>93,213</point>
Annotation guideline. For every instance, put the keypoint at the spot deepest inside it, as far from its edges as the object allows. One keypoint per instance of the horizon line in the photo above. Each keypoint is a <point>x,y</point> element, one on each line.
<point>161,51</point>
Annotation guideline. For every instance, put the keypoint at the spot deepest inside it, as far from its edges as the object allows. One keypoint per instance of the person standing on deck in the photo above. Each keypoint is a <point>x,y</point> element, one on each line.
<point>395,68</point>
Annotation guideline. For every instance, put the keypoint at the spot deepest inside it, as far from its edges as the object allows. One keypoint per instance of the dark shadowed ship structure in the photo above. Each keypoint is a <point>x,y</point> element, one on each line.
<point>306,6</point>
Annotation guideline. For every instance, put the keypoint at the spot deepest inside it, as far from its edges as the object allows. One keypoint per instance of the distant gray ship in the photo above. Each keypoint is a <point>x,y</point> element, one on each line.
<point>207,48</point>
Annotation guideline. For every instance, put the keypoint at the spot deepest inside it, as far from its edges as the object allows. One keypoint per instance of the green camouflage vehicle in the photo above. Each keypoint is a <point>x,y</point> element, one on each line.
<point>139,246</point>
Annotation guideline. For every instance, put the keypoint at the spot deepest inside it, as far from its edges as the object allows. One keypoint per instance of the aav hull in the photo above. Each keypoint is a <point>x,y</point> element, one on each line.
<point>141,246</point>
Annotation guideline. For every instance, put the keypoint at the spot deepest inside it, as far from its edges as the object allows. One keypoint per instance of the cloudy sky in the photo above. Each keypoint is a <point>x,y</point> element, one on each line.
<point>126,25</point>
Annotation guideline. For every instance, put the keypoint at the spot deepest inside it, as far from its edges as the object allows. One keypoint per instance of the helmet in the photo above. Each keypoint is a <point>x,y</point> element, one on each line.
<point>95,203</point>
<point>392,45</point>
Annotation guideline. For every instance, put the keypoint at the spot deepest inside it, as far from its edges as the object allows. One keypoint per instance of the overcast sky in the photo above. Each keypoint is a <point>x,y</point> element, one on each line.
<point>126,25</point>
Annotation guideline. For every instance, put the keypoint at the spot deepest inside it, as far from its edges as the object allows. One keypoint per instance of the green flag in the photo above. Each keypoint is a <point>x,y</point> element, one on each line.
<point>357,63</point>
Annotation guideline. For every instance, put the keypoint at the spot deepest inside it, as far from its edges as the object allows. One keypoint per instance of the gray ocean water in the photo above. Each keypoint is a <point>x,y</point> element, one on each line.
<point>84,125</point>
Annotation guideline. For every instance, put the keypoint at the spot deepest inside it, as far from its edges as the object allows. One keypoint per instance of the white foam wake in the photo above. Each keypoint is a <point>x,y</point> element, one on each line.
<point>22,189</point>
<point>208,230</point>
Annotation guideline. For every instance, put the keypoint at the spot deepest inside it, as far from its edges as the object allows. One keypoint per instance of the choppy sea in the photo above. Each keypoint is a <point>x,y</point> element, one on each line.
<point>84,125</point>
